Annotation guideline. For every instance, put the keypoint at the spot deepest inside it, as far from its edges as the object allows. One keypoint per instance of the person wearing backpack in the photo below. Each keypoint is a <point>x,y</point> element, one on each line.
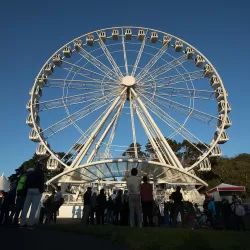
<point>239,212</point>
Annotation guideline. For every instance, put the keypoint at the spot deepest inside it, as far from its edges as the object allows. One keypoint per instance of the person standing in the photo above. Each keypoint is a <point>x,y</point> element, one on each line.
<point>147,202</point>
<point>35,188</point>
<point>125,209</point>
<point>101,206</point>
<point>87,206</point>
<point>21,192</point>
<point>42,209</point>
<point>178,206</point>
<point>118,207</point>
<point>93,208</point>
<point>58,201</point>
<point>110,209</point>
<point>133,185</point>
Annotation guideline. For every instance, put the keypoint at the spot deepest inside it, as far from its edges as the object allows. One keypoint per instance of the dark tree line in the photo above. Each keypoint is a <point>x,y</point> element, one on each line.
<point>233,170</point>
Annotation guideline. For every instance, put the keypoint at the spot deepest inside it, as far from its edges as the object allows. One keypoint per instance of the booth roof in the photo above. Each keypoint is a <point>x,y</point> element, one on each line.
<point>226,187</point>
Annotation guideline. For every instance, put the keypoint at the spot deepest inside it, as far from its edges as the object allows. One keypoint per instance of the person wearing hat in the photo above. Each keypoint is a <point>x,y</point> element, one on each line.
<point>35,188</point>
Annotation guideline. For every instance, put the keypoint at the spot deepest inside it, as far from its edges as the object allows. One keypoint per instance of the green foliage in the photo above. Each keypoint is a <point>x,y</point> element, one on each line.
<point>32,162</point>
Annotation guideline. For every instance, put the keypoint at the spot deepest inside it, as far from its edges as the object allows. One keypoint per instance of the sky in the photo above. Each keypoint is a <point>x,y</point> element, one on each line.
<point>31,31</point>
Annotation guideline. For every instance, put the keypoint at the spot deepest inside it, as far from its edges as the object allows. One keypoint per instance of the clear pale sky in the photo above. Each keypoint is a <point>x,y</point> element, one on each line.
<point>32,30</point>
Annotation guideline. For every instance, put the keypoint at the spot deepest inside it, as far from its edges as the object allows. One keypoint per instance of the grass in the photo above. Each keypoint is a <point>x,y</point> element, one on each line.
<point>163,239</point>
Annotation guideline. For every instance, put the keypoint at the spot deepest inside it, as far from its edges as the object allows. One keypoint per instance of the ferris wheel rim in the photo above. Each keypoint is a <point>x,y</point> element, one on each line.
<point>215,142</point>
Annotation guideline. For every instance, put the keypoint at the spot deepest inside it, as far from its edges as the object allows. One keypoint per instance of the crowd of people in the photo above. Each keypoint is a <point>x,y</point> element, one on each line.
<point>137,207</point>
<point>134,207</point>
<point>25,196</point>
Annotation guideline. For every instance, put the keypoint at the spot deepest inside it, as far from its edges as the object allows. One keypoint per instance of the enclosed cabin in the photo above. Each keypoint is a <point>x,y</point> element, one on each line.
<point>90,40</point>
<point>189,52</point>
<point>57,60</point>
<point>103,36</point>
<point>35,106</point>
<point>215,82</point>
<point>41,80</point>
<point>115,34</point>
<point>216,152</point>
<point>78,45</point>
<point>28,105</point>
<point>219,94</point>
<point>33,136</point>
<point>53,164</point>
<point>141,35</point>
<point>208,70</point>
<point>223,138</point>
<point>199,61</point>
<point>48,69</point>
<point>166,40</point>
<point>154,37</point>
<point>205,165</point>
<point>227,124</point>
<point>67,52</point>
<point>128,34</point>
<point>41,149</point>
<point>37,93</point>
<point>178,45</point>
<point>30,122</point>
<point>222,107</point>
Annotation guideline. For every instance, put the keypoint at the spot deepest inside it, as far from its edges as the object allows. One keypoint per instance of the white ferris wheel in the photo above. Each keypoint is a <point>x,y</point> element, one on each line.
<point>112,87</point>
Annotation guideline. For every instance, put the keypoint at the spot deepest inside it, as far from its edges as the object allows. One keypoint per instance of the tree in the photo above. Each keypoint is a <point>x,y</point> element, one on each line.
<point>130,152</point>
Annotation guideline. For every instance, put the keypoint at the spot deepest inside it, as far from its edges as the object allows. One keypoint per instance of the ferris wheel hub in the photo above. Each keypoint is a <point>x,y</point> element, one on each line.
<point>128,81</point>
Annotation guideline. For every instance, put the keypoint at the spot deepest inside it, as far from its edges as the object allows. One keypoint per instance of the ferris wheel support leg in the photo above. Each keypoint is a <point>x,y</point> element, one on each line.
<point>94,151</point>
<point>151,139</point>
<point>172,157</point>
<point>133,124</point>
<point>90,141</point>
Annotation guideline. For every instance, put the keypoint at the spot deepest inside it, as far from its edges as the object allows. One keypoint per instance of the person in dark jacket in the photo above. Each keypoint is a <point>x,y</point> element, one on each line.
<point>101,206</point>
<point>110,208</point>
<point>87,206</point>
<point>35,188</point>
<point>118,206</point>
<point>178,206</point>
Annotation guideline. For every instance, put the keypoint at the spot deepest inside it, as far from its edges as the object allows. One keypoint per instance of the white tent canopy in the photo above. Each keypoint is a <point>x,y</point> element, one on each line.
<point>4,183</point>
<point>226,188</point>
<point>225,191</point>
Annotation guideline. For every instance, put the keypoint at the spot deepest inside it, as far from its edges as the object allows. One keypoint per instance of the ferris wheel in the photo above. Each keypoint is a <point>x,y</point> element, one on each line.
<point>110,87</point>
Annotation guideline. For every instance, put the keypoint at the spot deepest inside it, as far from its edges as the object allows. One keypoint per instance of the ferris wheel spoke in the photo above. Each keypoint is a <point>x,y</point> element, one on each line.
<point>88,76</point>
<point>169,66</point>
<point>72,100</point>
<point>183,93</point>
<point>124,53</point>
<point>139,55</point>
<point>115,67</point>
<point>172,123</point>
<point>113,123</point>
<point>151,63</point>
<point>186,110</point>
<point>75,66</point>
<point>179,78</point>
<point>78,115</point>
<point>98,64</point>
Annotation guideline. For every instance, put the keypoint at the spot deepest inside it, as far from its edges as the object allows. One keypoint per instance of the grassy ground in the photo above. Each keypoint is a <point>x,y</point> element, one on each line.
<point>163,239</point>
